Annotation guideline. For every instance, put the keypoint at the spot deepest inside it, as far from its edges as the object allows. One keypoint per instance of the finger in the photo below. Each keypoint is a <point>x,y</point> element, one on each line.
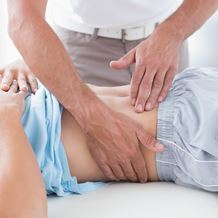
<point>1,82</point>
<point>139,166</point>
<point>144,89</point>
<point>23,93</point>
<point>22,83</point>
<point>107,171</point>
<point>148,141</point>
<point>167,84</point>
<point>118,172</point>
<point>13,88</point>
<point>129,171</point>
<point>124,61</point>
<point>33,82</point>
<point>157,85</point>
<point>136,79</point>
<point>1,78</point>
<point>1,71</point>
<point>7,80</point>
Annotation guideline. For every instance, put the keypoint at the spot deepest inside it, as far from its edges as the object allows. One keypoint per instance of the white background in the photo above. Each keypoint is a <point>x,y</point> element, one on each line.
<point>203,44</point>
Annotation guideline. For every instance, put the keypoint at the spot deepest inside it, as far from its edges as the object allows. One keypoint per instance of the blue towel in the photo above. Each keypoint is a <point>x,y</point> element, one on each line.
<point>42,124</point>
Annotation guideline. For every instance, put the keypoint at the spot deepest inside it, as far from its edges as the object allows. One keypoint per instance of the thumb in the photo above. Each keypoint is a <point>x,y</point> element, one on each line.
<point>149,141</point>
<point>124,61</point>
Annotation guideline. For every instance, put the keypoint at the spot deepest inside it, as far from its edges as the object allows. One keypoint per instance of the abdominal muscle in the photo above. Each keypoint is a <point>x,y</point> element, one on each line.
<point>80,161</point>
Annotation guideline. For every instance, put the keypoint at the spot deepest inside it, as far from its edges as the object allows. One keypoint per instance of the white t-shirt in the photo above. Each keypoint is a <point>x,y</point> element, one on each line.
<point>112,13</point>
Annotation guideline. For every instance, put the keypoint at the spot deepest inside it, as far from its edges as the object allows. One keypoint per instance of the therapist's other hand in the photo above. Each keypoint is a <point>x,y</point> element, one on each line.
<point>156,63</point>
<point>13,98</point>
<point>114,141</point>
<point>19,71</point>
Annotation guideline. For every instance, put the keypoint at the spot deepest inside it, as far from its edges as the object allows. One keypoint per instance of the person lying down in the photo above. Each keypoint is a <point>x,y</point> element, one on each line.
<point>185,123</point>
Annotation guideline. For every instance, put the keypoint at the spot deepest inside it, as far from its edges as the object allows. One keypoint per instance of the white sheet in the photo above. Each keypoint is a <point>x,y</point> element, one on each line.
<point>152,200</point>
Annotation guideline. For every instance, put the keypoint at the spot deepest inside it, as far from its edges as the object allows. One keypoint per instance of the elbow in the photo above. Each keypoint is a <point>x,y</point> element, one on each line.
<point>20,18</point>
<point>16,23</point>
<point>21,24</point>
<point>23,16</point>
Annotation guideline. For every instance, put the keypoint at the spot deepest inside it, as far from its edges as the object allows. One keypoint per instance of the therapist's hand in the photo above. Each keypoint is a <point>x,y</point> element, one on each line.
<point>19,71</point>
<point>114,141</point>
<point>156,62</point>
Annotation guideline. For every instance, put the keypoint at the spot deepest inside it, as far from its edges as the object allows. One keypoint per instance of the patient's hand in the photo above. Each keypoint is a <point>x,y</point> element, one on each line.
<point>19,71</point>
<point>12,98</point>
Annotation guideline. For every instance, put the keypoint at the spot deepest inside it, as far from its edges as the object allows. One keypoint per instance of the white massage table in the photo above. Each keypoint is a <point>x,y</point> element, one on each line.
<point>151,200</point>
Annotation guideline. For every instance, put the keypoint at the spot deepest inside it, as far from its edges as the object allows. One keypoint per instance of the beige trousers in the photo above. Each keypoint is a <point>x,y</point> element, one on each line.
<point>91,56</point>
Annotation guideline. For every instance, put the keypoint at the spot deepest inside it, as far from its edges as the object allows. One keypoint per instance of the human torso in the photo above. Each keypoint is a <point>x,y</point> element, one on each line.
<point>82,164</point>
<point>112,13</point>
<point>80,161</point>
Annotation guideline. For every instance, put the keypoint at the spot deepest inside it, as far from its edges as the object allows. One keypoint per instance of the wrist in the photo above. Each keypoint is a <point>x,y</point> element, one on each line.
<point>179,23</point>
<point>10,112</point>
<point>100,114</point>
<point>172,31</point>
<point>97,117</point>
<point>89,110</point>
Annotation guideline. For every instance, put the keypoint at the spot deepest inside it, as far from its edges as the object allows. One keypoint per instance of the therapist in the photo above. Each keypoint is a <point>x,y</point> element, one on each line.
<point>144,37</point>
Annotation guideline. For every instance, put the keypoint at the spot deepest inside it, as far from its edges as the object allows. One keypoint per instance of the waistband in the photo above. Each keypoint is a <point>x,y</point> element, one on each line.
<point>166,161</point>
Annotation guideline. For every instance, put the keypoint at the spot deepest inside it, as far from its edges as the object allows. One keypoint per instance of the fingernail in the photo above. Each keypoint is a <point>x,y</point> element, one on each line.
<point>159,146</point>
<point>5,86</point>
<point>133,101</point>
<point>148,106</point>
<point>24,88</point>
<point>143,180</point>
<point>139,108</point>
<point>34,90</point>
<point>160,99</point>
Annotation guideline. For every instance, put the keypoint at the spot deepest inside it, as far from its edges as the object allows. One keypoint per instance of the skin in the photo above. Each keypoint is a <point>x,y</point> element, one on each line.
<point>21,184</point>
<point>81,163</point>
<point>21,72</point>
<point>156,58</point>
<point>28,29</point>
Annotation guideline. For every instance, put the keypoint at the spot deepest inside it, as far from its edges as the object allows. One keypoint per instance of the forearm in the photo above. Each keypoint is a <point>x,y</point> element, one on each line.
<point>21,186</point>
<point>38,43</point>
<point>189,17</point>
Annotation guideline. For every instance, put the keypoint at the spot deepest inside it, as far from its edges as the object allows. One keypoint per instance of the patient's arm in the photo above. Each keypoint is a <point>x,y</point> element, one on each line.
<point>21,186</point>
<point>80,160</point>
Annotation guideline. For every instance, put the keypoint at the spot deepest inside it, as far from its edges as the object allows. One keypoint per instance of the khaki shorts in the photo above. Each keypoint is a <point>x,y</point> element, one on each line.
<point>91,56</point>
